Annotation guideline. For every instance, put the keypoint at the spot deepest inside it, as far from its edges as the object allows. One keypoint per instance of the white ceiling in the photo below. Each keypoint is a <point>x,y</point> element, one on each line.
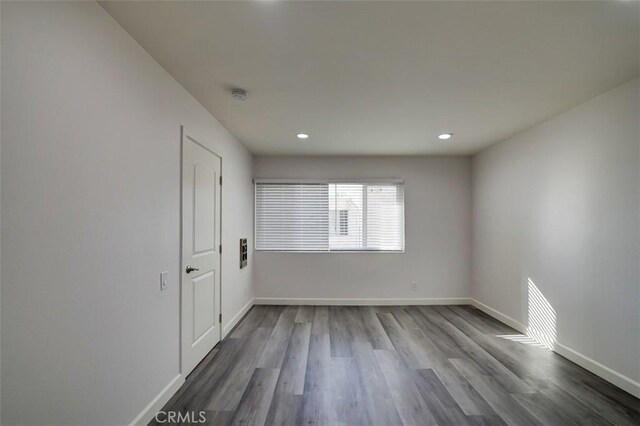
<point>387,77</point>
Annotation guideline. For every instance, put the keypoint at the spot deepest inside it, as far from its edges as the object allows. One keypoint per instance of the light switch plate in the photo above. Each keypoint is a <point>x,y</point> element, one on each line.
<point>164,284</point>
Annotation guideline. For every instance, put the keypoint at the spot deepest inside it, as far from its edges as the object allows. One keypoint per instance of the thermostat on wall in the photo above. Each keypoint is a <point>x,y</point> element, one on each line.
<point>243,252</point>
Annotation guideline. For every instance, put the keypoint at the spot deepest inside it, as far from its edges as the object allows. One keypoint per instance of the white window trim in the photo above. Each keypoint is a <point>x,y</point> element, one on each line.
<point>371,181</point>
<point>335,251</point>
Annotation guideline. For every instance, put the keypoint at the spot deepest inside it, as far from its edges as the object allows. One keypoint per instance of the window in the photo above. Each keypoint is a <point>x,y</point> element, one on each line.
<point>344,222</point>
<point>329,216</point>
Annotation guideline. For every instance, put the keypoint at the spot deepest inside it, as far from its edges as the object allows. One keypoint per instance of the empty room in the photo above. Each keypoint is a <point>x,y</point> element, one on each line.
<point>319,213</point>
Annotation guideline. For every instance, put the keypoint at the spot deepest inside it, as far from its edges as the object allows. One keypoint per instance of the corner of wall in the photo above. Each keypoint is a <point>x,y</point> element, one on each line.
<point>536,185</point>
<point>472,263</point>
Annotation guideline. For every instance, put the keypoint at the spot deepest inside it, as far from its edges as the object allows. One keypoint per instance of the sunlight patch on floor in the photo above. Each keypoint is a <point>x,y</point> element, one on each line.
<point>521,338</point>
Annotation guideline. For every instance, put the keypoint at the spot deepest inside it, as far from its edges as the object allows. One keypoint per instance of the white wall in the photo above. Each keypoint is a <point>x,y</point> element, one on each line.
<point>88,338</point>
<point>438,231</point>
<point>90,216</point>
<point>559,204</point>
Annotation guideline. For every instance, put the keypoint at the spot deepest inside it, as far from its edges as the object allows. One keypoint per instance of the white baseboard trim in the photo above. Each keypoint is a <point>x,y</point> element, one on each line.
<point>237,317</point>
<point>623,382</point>
<point>360,302</point>
<point>156,404</point>
<point>147,414</point>
<point>517,325</point>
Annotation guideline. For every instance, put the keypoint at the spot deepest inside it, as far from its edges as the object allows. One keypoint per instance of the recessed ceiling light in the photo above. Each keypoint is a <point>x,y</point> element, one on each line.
<point>302,136</point>
<point>445,136</point>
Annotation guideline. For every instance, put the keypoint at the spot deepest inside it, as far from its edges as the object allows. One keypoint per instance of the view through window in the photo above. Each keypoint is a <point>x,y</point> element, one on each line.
<point>331,216</point>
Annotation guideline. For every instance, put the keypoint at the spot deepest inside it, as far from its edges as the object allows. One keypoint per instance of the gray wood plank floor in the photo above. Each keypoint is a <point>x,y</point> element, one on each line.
<point>391,365</point>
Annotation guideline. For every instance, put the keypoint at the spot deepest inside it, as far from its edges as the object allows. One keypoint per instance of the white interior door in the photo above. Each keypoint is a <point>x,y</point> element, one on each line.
<point>200,286</point>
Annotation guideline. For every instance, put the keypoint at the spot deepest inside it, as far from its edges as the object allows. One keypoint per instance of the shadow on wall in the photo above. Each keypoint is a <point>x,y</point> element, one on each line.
<point>541,319</point>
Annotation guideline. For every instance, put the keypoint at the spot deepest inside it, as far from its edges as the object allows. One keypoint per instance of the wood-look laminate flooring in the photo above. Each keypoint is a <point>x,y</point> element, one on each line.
<point>392,365</point>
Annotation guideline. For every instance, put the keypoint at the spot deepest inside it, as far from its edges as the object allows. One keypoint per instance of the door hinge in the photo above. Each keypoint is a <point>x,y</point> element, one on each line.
<point>220,180</point>
<point>220,248</point>
<point>220,318</point>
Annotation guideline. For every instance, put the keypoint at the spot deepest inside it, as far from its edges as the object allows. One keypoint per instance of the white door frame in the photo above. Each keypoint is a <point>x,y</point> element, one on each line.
<point>183,136</point>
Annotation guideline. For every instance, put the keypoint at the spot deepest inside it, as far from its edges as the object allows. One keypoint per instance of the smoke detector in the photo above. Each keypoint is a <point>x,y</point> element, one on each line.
<point>239,94</point>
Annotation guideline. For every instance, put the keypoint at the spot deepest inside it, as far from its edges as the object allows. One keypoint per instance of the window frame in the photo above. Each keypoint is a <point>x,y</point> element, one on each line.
<point>390,181</point>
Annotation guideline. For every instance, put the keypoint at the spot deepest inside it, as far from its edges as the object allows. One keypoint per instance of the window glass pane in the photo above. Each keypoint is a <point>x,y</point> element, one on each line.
<point>346,230</point>
<point>385,217</point>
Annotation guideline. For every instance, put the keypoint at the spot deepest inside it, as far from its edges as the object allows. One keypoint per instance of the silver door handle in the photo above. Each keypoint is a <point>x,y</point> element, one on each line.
<point>191,269</point>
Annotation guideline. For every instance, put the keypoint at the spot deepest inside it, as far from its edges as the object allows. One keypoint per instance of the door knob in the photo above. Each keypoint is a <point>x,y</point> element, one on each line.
<point>191,269</point>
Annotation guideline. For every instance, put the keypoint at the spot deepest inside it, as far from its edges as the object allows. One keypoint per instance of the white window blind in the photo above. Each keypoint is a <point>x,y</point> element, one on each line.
<point>292,217</point>
<point>329,216</point>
